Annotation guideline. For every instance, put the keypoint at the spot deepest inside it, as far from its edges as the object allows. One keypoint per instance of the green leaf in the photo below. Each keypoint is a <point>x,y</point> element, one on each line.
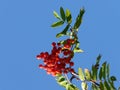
<point>104,70</point>
<point>62,13</point>
<point>56,24</point>
<point>98,59</point>
<point>77,44</point>
<point>81,74</point>
<point>71,87</point>
<point>60,35</point>
<point>79,19</point>
<point>100,74</point>
<point>61,80</point>
<point>68,16</point>
<point>108,70</point>
<point>111,83</point>
<point>107,85</point>
<point>56,15</point>
<point>84,86</point>
<point>94,87</point>
<point>64,32</point>
<point>87,74</point>
<point>94,73</point>
<point>101,86</point>
<point>78,50</point>
<point>63,83</point>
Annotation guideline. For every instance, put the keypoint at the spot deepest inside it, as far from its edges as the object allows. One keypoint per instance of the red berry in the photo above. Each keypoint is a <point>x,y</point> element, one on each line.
<point>53,62</point>
<point>72,70</point>
<point>53,44</point>
<point>65,71</point>
<point>38,57</point>
<point>67,46</point>
<point>40,66</point>
<point>71,63</point>
<point>58,44</point>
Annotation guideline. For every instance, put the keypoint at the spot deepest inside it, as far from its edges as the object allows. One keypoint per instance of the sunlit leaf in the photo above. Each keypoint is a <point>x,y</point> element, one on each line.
<point>61,80</point>
<point>56,15</point>
<point>77,44</point>
<point>63,83</point>
<point>62,13</point>
<point>56,24</point>
<point>68,16</point>
<point>71,87</point>
<point>81,74</point>
<point>87,74</point>
<point>78,50</point>
<point>59,35</point>
<point>84,86</point>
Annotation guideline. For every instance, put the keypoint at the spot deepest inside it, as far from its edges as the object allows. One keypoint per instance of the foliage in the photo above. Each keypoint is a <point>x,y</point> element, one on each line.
<point>59,63</point>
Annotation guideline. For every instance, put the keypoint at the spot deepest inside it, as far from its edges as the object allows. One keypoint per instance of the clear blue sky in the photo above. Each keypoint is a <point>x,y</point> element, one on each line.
<point>25,31</point>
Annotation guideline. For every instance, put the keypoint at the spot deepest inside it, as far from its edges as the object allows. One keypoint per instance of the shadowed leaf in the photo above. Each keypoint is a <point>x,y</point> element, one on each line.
<point>62,13</point>
<point>64,32</point>
<point>56,24</point>
<point>79,19</point>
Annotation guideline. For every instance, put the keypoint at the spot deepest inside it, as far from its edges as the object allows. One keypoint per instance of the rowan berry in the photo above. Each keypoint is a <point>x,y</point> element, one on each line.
<point>71,63</point>
<point>58,44</point>
<point>40,66</point>
<point>38,57</point>
<point>53,63</point>
<point>71,70</point>
<point>53,44</point>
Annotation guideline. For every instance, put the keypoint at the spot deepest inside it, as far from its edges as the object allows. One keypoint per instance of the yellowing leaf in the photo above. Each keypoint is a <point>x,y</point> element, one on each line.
<point>68,16</point>
<point>87,74</point>
<point>56,15</point>
<point>81,74</point>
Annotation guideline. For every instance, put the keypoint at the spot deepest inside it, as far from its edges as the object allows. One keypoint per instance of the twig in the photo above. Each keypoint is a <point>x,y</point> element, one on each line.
<point>67,78</point>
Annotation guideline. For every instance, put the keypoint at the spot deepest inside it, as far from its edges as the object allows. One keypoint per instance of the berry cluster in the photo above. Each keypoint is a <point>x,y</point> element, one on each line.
<point>59,60</point>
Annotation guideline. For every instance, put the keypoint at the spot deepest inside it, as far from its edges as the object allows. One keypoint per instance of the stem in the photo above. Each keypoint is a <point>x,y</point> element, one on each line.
<point>67,78</point>
<point>77,77</point>
<point>95,83</point>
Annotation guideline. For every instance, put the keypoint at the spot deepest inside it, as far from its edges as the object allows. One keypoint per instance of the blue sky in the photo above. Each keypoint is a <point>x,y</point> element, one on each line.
<point>25,32</point>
